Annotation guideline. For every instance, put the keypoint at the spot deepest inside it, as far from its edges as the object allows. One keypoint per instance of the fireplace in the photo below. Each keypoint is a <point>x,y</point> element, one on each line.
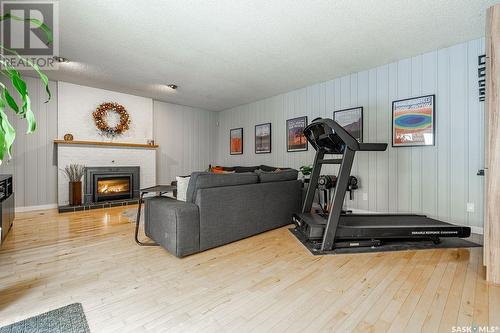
<point>103,184</point>
<point>113,188</point>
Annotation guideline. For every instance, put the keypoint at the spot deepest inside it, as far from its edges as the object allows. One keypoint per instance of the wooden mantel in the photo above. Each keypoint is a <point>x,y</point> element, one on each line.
<point>107,144</point>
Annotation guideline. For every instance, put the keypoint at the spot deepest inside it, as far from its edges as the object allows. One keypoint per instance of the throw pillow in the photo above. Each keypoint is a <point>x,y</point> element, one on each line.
<point>182,186</point>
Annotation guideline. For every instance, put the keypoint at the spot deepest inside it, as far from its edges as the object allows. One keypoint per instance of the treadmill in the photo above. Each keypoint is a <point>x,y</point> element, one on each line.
<point>339,229</point>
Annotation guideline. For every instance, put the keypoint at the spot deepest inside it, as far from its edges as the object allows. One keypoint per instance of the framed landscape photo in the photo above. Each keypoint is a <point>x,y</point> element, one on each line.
<point>295,138</point>
<point>352,120</point>
<point>263,138</point>
<point>413,122</point>
<point>236,141</point>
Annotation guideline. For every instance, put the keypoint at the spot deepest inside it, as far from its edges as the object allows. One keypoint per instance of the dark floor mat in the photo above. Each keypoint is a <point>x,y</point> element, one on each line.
<point>68,319</point>
<point>446,243</point>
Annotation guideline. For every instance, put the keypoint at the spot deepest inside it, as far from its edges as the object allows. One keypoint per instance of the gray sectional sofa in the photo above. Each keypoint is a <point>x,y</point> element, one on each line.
<point>223,208</point>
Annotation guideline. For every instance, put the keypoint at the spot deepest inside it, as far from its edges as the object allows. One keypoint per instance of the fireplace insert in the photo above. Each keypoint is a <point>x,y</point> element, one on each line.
<point>113,187</point>
<point>104,184</point>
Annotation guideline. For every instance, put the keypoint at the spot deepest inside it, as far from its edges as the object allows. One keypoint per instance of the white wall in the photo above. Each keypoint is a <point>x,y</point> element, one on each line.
<point>437,181</point>
<point>186,137</point>
<point>33,158</point>
<point>76,104</point>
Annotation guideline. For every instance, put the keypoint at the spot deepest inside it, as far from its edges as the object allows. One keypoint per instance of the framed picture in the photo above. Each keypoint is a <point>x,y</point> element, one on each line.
<point>236,141</point>
<point>263,138</point>
<point>295,138</point>
<point>351,120</point>
<point>413,121</point>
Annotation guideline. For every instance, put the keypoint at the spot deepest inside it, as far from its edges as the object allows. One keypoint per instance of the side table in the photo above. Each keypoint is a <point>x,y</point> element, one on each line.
<point>160,190</point>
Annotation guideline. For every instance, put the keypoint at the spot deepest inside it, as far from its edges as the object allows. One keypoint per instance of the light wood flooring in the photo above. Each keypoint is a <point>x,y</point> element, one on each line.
<point>265,283</point>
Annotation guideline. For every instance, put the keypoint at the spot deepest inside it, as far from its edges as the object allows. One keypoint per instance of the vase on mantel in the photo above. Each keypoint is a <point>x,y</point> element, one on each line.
<point>75,193</point>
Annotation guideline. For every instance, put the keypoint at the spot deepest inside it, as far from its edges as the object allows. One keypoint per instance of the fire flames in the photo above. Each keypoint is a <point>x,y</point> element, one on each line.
<point>112,186</point>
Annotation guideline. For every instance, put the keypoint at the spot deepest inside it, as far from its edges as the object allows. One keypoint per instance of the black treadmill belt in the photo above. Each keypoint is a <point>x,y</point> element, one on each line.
<point>400,221</point>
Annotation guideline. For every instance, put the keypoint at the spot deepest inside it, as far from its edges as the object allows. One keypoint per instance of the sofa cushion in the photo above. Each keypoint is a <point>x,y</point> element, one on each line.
<point>268,168</point>
<point>242,169</point>
<point>201,180</point>
<point>277,176</point>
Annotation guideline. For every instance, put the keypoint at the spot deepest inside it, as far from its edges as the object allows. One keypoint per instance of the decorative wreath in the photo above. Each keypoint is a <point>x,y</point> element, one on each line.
<point>100,119</point>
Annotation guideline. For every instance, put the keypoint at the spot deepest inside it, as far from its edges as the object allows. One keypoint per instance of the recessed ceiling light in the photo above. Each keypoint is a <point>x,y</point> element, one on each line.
<point>172,86</point>
<point>60,59</point>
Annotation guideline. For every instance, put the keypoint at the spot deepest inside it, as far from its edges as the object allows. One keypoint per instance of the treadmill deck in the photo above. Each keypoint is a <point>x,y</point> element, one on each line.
<point>380,226</point>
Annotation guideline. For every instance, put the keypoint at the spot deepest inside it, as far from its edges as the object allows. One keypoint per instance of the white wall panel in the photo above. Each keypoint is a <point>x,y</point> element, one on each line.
<point>186,137</point>
<point>438,180</point>
<point>33,162</point>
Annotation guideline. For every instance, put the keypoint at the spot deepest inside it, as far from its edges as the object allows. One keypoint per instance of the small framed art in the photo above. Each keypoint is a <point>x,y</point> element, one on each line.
<point>295,138</point>
<point>236,141</point>
<point>263,138</point>
<point>352,120</point>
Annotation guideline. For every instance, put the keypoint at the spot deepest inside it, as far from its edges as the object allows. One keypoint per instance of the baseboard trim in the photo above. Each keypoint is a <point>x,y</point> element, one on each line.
<point>477,230</point>
<point>33,208</point>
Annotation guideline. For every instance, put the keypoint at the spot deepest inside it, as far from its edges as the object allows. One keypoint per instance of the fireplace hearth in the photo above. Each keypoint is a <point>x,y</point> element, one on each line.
<point>109,184</point>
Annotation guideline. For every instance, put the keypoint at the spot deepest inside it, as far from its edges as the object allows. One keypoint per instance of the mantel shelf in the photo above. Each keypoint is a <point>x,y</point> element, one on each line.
<point>108,144</point>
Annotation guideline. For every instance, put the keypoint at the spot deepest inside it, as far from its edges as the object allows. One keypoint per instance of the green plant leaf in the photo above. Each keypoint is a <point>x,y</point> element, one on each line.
<point>44,79</point>
<point>22,89</point>
<point>7,132</point>
<point>30,118</point>
<point>35,67</point>
<point>9,99</point>
<point>12,103</point>
<point>38,23</point>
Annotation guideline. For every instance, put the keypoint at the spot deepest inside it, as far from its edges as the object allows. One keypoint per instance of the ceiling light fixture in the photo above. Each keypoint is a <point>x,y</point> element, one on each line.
<point>60,59</point>
<point>172,86</point>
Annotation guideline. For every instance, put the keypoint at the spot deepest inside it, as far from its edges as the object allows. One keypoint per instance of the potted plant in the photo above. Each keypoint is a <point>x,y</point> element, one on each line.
<point>306,171</point>
<point>74,173</point>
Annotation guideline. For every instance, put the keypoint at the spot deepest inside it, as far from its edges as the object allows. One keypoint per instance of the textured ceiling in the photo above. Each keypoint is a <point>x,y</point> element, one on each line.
<point>224,53</point>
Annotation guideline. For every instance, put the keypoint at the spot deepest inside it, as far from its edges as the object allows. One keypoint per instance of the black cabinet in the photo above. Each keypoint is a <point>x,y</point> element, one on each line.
<point>6,205</point>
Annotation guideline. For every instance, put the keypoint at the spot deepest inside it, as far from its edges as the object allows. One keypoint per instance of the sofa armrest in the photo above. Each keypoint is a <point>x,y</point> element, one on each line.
<point>173,224</point>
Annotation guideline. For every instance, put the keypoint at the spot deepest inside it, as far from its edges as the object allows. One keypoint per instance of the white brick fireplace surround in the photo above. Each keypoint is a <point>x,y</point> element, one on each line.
<point>93,156</point>
<point>76,104</point>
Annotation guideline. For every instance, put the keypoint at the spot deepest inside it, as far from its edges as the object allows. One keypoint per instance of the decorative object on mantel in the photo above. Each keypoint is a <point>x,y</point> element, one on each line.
<point>104,143</point>
<point>100,114</point>
<point>74,173</point>
<point>68,137</point>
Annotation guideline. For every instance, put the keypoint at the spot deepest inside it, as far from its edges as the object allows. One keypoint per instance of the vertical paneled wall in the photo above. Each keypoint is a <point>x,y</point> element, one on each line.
<point>32,165</point>
<point>186,137</point>
<point>438,181</point>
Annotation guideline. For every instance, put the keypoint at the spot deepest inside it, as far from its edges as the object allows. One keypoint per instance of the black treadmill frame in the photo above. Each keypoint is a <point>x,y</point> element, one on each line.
<point>348,151</point>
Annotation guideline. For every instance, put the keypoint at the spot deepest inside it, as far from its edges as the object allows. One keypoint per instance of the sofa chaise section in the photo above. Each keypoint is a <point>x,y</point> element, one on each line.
<point>219,209</point>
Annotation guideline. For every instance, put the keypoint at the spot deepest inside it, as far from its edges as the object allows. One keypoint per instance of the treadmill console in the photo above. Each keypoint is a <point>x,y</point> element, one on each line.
<point>321,136</point>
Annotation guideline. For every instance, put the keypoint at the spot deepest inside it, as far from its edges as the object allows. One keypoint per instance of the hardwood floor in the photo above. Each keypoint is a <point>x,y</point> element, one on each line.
<point>265,283</point>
